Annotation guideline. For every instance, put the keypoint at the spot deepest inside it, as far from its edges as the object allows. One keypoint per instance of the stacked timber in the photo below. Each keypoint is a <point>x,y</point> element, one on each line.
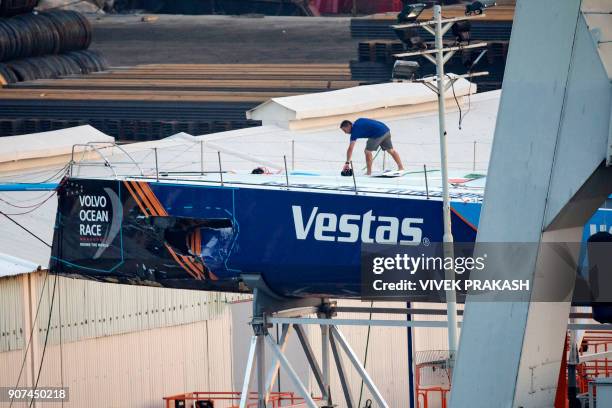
<point>149,102</point>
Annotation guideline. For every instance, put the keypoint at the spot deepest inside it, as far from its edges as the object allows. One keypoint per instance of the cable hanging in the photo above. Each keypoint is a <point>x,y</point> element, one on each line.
<point>42,357</point>
<point>25,354</point>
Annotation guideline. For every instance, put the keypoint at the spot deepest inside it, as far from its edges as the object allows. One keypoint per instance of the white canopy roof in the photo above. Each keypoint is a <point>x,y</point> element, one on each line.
<point>46,144</point>
<point>375,101</point>
<point>11,266</point>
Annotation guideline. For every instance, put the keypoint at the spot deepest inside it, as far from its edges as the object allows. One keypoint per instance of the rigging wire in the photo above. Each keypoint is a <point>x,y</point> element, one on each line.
<point>17,205</point>
<point>30,210</point>
<point>469,107</point>
<point>8,216</point>
<point>61,344</point>
<point>42,357</point>
<point>456,100</point>
<point>373,158</point>
<point>365,358</point>
<point>25,354</point>
<point>24,228</point>
<point>55,281</point>
<point>19,199</point>
<point>32,207</point>
<point>61,172</point>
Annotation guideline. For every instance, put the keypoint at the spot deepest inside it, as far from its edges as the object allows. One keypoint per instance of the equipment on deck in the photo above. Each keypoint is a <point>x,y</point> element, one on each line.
<point>347,172</point>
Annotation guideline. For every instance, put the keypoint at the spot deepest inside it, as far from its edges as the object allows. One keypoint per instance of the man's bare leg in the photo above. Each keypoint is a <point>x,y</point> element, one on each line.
<point>397,159</point>
<point>368,157</point>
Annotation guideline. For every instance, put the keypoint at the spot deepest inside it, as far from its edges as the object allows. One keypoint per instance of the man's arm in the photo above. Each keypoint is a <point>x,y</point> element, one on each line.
<point>349,151</point>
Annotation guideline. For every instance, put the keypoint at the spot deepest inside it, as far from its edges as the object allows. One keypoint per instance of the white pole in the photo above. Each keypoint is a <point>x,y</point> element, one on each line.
<point>293,155</point>
<point>451,298</point>
<point>325,363</point>
<point>201,157</point>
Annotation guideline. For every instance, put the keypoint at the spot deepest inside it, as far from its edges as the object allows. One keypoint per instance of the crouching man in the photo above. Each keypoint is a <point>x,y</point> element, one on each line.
<point>377,133</point>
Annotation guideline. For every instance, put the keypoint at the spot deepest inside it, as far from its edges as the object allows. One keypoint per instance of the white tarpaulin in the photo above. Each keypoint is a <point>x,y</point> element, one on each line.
<point>47,144</point>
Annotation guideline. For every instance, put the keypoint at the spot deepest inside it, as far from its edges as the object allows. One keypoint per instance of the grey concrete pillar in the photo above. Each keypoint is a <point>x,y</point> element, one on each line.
<point>545,180</point>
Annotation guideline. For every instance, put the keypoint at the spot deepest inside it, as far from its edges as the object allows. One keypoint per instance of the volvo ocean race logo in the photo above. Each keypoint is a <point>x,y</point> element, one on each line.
<point>367,227</point>
<point>100,219</point>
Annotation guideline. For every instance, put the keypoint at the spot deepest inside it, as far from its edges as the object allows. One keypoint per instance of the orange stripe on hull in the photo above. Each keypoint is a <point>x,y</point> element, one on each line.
<point>137,188</point>
<point>178,261</point>
<point>197,268</point>
<point>146,189</point>
<point>136,199</point>
<point>463,219</point>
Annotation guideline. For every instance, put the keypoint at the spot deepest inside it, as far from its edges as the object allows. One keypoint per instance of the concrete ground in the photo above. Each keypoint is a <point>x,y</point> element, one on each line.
<point>127,40</point>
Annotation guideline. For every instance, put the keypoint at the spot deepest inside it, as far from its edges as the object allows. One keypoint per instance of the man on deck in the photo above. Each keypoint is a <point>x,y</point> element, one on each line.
<point>377,133</point>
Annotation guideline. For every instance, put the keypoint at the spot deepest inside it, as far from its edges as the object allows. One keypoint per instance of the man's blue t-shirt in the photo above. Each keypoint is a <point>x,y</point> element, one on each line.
<point>368,128</point>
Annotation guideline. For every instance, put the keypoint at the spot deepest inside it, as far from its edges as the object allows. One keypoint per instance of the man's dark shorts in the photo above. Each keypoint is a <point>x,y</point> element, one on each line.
<point>384,142</point>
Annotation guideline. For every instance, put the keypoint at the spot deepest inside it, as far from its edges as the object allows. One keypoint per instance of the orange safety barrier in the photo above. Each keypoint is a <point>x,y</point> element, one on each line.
<point>594,342</point>
<point>424,393</point>
<point>435,360</point>
<point>277,399</point>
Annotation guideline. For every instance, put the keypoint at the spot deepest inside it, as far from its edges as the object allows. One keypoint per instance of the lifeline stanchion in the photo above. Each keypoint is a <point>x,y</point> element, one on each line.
<point>220,168</point>
<point>293,155</point>
<point>201,157</point>
<point>286,173</point>
<point>384,160</point>
<point>156,166</point>
<point>426,183</point>
<point>353,173</point>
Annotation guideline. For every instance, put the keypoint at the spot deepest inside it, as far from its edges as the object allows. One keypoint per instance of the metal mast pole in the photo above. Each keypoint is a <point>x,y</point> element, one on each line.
<point>451,298</point>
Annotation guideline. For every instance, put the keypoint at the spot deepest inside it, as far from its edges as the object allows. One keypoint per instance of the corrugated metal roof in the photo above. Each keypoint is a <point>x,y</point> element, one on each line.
<point>11,265</point>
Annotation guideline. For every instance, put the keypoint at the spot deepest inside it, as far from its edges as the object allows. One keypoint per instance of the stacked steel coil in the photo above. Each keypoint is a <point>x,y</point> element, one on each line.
<point>53,32</point>
<point>45,45</point>
<point>52,66</point>
<point>13,7</point>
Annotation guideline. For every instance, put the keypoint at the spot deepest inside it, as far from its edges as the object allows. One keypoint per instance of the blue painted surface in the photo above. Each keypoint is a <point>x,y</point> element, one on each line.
<point>303,243</point>
<point>277,233</point>
<point>28,187</point>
